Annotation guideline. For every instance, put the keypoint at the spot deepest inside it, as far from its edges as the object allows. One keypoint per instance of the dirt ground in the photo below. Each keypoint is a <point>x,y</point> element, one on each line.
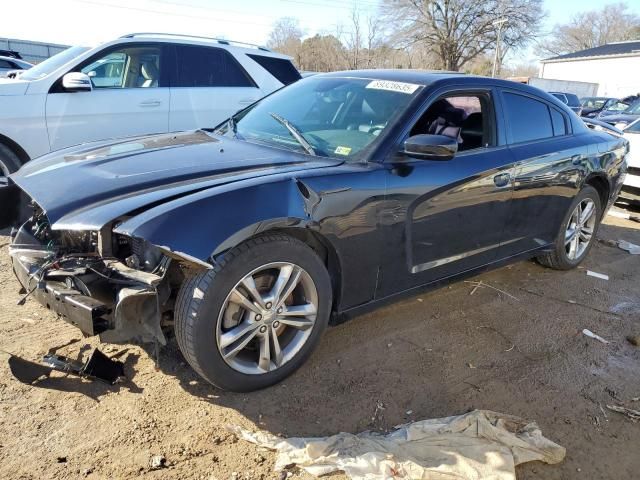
<point>435,354</point>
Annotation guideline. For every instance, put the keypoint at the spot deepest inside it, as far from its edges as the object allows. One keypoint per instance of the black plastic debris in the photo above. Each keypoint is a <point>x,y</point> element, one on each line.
<point>101,367</point>
<point>26,371</point>
<point>97,367</point>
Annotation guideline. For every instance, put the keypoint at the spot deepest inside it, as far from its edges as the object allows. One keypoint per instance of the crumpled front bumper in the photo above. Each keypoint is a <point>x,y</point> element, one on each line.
<point>90,315</point>
<point>100,296</point>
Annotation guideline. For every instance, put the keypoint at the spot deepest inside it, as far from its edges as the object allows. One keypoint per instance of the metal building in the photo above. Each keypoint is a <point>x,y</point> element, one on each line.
<point>615,67</point>
<point>32,52</point>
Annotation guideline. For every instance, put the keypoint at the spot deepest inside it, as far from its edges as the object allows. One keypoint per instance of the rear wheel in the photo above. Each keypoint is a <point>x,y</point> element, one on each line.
<point>577,233</point>
<point>257,316</point>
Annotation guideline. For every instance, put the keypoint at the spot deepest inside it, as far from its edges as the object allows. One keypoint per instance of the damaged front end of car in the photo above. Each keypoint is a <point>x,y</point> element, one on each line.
<point>104,283</point>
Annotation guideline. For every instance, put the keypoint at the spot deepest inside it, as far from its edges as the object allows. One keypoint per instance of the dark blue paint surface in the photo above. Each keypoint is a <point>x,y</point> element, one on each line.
<point>392,223</point>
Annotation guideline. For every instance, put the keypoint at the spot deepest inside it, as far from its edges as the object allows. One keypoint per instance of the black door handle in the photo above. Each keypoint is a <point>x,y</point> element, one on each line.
<point>502,180</point>
<point>576,159</point>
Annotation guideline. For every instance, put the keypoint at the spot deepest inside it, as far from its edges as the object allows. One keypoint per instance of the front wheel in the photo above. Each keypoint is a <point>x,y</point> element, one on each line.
<point>577,233</point>
<point>9,161</point>
<point>257,316</point>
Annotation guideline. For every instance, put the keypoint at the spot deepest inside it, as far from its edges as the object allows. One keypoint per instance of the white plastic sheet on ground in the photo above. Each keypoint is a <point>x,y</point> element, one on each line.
<point>478,445</point>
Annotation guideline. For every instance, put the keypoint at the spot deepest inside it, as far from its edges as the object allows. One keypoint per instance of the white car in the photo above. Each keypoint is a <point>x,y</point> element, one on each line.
<point>135,85</point>
<point>10,64</point>
<point>631,187</point>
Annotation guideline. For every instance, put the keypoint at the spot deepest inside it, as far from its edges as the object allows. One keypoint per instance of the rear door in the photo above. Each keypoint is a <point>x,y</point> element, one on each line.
<point>208,85</point>
<point>549,160</point>
<point>130,97</point>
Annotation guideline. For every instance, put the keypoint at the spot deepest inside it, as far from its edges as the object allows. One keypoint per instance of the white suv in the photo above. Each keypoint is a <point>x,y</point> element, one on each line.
<point>138,84</point>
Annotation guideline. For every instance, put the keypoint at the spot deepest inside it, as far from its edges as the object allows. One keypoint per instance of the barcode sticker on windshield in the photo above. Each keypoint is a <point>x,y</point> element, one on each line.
<point>343,150</point>
<point>401,87</point>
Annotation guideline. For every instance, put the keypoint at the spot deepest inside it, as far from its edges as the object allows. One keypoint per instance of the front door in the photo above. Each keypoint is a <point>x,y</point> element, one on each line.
<point>445,217</point>
<point>129,98</point>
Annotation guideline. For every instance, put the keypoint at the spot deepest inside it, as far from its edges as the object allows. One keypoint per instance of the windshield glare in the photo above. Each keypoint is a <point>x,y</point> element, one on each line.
<point>53,63</point>
<point>337,117</point>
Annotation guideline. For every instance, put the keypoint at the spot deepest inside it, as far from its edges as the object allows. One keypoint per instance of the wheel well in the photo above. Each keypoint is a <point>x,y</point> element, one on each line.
<point>17,149</point>
<point>324,250</point>
<point>602,187</point>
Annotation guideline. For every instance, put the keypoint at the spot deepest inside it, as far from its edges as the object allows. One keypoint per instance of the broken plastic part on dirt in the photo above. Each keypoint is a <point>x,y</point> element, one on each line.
<point>632,248</point>
<point>479,444</point>
<point>97,367</point>
<point>601,276</point>
<point>590,334</point>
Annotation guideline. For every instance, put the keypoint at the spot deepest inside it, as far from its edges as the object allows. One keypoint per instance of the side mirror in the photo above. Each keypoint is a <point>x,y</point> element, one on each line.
<point>431,147</point>
<point>77,82</point>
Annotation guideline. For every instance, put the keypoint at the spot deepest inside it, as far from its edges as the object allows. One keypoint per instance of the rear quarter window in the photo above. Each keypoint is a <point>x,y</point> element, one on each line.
<point>282,69</point>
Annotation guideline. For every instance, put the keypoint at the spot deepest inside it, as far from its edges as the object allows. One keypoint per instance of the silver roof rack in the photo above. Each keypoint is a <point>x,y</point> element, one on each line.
<point>221,41</point>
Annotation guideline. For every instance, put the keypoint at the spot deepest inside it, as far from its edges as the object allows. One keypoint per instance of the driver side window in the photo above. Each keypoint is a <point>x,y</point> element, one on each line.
<point>132,67</point>
<point>464,117</point>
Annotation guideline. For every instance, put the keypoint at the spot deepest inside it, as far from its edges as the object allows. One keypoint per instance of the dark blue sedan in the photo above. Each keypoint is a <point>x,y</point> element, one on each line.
<point>329,197</point>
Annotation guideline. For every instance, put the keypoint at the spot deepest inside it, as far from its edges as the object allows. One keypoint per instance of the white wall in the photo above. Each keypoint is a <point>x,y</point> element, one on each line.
<point>616,77</point>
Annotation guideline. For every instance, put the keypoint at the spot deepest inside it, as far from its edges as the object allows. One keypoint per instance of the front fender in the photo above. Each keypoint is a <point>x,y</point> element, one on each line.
<point>199,226</point>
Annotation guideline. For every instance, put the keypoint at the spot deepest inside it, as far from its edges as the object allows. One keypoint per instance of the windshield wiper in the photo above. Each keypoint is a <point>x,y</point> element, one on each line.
<point>295,133</point>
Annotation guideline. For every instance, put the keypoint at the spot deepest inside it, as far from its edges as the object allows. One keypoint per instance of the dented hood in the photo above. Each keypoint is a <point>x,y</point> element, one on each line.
<point>85,187</point>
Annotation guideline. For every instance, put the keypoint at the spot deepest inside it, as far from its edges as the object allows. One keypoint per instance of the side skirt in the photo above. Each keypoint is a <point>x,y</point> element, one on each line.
<point>345,315</point>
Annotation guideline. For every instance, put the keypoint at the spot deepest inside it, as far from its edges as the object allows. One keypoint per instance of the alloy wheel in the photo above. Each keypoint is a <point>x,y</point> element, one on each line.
<point>267,318</point>
<point>580,229</point>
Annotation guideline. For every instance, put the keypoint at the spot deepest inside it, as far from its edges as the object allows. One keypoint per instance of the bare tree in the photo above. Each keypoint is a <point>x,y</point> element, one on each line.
<point>286,37</point>
<point>611,23</point>
<point>461,30</point>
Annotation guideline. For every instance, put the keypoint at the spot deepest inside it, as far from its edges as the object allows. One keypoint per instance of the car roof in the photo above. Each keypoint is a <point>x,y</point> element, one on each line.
<point>205,41</point>
<point>420,77</point>
<point>430,77</point>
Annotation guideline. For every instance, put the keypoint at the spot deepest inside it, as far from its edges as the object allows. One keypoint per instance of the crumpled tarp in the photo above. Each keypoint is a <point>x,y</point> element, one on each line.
<point>478,445</point>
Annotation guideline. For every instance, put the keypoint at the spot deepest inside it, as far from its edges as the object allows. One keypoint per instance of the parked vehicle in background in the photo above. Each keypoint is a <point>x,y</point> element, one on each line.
<point>327,198</point>
<point>134,85</point>
<point>592,106</point>
<point>11,64</point>
<point>569,99</point>
<point>631,188</point>
<point>622,118</point>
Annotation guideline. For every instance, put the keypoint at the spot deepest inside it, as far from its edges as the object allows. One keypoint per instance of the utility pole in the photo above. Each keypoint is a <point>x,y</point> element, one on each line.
<point>498,23</point>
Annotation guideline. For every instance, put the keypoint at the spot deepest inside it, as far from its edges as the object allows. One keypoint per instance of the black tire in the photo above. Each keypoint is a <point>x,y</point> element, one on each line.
<point>9,161</point>
<point>202,296</point>
<point>557,258</point>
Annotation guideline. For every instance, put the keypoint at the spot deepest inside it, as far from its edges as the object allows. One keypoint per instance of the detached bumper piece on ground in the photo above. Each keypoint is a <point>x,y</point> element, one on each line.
<point>97,367</point>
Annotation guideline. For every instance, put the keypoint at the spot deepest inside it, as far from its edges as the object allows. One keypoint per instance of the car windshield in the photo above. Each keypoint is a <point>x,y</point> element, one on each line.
<point>633,128</point>
<point>326,116</point>
<point>634,109</point>
<point>593,102</point>
<point>53,63</point>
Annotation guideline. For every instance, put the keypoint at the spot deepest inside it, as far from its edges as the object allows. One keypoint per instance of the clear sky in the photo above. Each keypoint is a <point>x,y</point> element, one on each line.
<point>75,22</point>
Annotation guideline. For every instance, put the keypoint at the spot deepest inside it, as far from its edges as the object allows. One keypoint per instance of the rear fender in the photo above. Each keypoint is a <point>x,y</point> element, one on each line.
<point>198,227</point>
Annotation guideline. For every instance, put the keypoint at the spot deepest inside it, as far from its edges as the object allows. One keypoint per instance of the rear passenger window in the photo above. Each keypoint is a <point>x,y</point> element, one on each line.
<point>280,68</point>
<point>527,119</point>
<point>209,67</point>
<point>559,124</point>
